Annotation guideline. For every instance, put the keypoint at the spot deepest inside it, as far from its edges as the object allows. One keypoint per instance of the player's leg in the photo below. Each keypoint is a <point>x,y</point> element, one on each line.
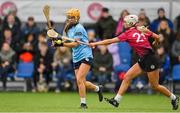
<point>89,85</point>
<point>81,78</point>
<point>93,87</point>
<point>133,72</point>
<point>154,81</point>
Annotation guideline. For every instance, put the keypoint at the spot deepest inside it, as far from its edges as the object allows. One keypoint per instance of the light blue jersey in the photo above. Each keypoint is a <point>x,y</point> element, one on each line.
<point>81,51</point>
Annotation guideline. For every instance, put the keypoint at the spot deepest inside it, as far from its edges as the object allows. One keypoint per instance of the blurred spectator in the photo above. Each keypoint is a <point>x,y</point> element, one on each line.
<point>123,62</point>
<point>177,23</point>
<point>176,49</point>
<point>165,64</point>
<point>92,38</point>
<point>1,32</point>
<point>62,67</point>
<point>103,65</point>
<point>120,26</point>
<point>91,35</point>
<point>31,39</point>
<point>8,38</point>
<point>1,25</point>
<point>167,35</point>
<point>28,49</point>
<point>46,28</point>
<point>7,62</point>
<point>143,19</point>
<point>106,25</point>
<point>48,40</point>
<point>43,60</point>
<point>13,26</point>
<point>114,50</point>
<point>26,54</point>
<point>17,20</point>
<point>30,27</point>
<point>140,82</point>
<point>41,39</point>
<point>161,16</point>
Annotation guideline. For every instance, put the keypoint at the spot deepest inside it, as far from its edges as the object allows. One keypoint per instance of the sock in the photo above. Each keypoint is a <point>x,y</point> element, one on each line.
<point>173,97</point>
<point>97,89</point>
<point>83,100</point>
<point>118,98</point>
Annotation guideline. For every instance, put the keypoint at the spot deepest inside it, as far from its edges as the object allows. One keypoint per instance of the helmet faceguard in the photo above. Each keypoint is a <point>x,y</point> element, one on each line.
<point>73,15</point>
<point>130,20</point>
<point>72,18</point>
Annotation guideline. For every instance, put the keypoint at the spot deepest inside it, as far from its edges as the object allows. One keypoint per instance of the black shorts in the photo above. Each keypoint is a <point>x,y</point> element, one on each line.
<point>88,61</point>
<point>149,62</point>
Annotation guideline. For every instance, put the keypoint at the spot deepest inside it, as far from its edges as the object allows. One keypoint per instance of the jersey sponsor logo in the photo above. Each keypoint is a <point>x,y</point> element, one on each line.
<point>152,67</point>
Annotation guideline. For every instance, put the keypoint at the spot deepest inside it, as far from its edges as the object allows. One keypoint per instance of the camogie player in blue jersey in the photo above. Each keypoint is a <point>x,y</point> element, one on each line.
<point>82,54</point>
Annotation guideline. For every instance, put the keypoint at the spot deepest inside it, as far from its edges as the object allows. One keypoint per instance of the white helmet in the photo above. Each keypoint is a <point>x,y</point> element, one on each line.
<point>131,20</point>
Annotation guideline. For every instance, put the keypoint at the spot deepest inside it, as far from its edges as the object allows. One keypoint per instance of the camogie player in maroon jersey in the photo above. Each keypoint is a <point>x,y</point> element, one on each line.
<point>137,37</point>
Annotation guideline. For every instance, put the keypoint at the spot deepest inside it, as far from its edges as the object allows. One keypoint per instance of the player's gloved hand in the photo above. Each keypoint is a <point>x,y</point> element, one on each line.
<point>156,42</point>
<point>143,29</point>
<point>92,45</point>
<point>57,42</point>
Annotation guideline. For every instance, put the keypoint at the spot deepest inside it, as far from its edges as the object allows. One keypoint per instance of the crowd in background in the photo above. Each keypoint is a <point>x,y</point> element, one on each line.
<point>28,43</point>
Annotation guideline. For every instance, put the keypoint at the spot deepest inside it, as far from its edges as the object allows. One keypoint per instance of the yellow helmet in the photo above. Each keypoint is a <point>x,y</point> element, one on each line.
<point>73,12</point>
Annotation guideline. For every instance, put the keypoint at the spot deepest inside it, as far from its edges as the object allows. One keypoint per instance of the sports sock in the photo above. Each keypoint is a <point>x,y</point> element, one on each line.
<point>172,96</point>
<point>83,100</point>
<point>97,89</point>
<point>118,98</point>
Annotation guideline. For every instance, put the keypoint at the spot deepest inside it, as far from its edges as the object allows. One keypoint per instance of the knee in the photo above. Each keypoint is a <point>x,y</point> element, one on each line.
<point>154,86</point>
<point>127,79</point>
<point>80,81</point>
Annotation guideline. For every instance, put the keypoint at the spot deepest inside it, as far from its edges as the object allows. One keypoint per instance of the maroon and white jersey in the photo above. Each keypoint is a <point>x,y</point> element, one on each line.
<point>137,40</point>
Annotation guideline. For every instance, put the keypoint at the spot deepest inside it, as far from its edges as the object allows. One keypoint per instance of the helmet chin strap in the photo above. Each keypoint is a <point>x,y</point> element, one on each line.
<point>75,22</point>
<point>131,26</point>
<point>69,25</point>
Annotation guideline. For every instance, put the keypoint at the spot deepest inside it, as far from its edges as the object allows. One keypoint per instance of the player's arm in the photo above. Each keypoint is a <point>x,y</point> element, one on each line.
<point>57,42</point>
<point>145,30</point>
<point>70,44</point>
<point>155,36</point>
<point>105,42</point>
<point>78,35</point>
